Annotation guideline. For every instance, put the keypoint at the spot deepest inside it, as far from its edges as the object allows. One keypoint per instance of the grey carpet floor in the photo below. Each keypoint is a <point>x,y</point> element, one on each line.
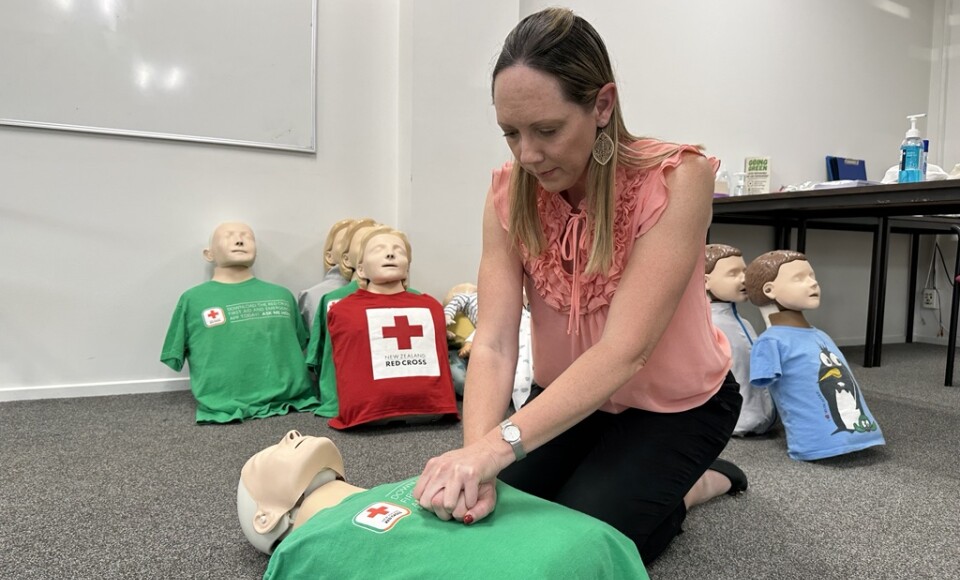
<point>130,487</point>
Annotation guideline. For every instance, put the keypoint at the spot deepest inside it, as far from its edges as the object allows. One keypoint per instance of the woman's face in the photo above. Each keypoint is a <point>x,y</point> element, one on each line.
<point>550,136</point>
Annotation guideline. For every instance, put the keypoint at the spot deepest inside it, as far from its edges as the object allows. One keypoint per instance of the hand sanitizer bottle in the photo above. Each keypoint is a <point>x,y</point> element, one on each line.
<point>911,153</point>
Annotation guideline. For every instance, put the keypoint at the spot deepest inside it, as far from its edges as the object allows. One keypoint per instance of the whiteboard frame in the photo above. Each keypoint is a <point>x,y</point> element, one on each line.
<point>311,148</point>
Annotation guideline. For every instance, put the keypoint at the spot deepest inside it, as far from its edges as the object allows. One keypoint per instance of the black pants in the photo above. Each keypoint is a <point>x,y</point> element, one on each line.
<point>632,469</point>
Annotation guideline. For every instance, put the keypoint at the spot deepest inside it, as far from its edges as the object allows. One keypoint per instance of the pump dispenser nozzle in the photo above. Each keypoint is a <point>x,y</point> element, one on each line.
<point>913,131</point>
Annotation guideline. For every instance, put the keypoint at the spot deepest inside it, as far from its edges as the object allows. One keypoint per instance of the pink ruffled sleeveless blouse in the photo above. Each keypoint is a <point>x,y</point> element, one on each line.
<point>568,311</point>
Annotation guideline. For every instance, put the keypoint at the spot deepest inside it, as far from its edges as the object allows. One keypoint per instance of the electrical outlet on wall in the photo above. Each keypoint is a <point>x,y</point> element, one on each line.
<point>929,298</point>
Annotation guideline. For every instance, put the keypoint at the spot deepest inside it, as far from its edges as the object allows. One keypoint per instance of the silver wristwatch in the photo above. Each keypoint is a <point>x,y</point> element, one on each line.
<point>511,434</point>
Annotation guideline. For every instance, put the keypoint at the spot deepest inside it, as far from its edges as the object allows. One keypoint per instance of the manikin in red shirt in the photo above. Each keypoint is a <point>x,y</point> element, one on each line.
<point>389,345</point>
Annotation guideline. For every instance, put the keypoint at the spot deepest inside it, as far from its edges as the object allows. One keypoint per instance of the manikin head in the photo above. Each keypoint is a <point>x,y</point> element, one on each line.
<point>784,278</point>
<point>724,276</point>
<point>232,251</point>
<point>384,261</point>
<point>350,248</point>
<point>333,245</point>
<point>279,487</point>
<point>465,288</point>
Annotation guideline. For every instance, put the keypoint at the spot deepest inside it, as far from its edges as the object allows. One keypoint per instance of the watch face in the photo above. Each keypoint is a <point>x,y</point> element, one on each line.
<point>511,433</point>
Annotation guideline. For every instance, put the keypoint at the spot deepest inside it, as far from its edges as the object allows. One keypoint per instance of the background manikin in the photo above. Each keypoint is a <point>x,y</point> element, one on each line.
<point>338,529</point>
<point>351,247</point>
<point>389,345</point>
<point>820,403</point>
<point>308,300</point>
<point>319,350</point>
<point>725,287</point>
<point>239,371</point>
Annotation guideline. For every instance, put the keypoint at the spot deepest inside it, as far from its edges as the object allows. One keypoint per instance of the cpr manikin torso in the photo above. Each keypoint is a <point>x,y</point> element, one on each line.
<point>243,337</point>
<point>820,403</point>
<point>389,345</point>
<point>293,503</point>
<point>726,290</point>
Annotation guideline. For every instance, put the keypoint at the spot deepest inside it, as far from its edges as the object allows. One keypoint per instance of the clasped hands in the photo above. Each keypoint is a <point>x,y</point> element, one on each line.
<point>460,484</point>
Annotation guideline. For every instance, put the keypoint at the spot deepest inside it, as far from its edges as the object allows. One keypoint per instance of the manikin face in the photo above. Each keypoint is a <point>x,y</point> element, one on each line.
<point>232,245</point>
<point>795,287</point>
<point>550,136</point>
<point>725,283</point>
<point>384,260</point>
<point>281,474</point>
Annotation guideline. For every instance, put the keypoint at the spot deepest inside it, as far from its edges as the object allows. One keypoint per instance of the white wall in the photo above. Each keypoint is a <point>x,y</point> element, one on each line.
<point>102,234</point>
<point>792,80</point>
<point>449,139</point>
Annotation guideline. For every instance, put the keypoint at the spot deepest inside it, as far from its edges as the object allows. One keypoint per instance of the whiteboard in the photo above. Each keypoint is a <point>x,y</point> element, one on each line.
<point>235,72</point>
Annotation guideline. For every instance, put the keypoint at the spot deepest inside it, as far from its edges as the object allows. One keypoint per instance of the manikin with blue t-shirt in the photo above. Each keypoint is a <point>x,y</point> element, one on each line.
<point>724,279</point>
<point>820,403</point>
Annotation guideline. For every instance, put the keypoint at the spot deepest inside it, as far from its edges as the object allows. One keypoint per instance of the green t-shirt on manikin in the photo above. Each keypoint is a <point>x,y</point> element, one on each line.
<point>383,533</point>
<point>244,344</point>
<point>320,351</point>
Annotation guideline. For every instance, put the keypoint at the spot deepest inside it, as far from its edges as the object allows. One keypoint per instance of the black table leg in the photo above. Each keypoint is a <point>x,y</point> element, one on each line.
<point>875,303</point>
<point>912,290</point>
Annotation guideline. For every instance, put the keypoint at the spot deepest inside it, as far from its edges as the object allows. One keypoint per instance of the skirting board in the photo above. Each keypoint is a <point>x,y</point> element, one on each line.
<point>93,389</point>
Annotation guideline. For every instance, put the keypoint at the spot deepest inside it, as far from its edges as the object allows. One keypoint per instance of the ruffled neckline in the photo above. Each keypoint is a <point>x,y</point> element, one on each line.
<point>569,236</point>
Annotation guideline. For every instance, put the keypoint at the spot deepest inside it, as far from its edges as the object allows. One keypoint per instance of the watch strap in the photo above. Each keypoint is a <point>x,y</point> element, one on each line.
<point>517,445</point>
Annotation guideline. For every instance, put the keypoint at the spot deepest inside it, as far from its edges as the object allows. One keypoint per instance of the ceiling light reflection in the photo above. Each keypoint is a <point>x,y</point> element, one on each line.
<point>894,8</point>
<point>174,78</point>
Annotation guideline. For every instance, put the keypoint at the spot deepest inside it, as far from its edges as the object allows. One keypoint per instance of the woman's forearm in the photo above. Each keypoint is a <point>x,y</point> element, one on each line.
<point>489,385</point>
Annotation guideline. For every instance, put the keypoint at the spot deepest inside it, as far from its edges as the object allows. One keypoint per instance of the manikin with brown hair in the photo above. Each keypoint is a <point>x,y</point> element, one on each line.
<point>605,231</point>
<point>820,402</point>
<point>724,280</point>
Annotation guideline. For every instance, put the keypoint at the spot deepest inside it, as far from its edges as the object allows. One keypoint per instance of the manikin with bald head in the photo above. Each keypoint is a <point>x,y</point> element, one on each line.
<point>726,290</point>
<point>820,402</point>
<point>242,337</point>
<point>293,501</point>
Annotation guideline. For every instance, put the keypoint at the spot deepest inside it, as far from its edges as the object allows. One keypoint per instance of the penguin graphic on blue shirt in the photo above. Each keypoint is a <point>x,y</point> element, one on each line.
<point>842,394</point>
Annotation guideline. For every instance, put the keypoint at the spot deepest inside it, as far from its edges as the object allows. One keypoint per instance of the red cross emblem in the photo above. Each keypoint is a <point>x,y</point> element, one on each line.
<point>213,317</point>
<point>378,511</point>
<point>403,332</point>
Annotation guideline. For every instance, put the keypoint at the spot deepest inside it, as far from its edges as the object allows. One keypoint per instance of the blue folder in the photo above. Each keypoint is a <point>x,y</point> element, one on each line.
<point>844,168</point>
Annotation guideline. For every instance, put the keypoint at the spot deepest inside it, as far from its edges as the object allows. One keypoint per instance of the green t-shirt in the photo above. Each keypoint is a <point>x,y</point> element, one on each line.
<point>244,344</point>
<point>383,533</point>
<point>320,352</point>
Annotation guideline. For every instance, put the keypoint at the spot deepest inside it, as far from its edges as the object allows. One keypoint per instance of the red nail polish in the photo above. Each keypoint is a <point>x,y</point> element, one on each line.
<point>468,519</point>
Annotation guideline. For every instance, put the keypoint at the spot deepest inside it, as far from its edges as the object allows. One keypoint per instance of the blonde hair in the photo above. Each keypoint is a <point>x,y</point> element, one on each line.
<point>563,45</point>
<point>348,235</point>
<point>378,231</point>
<point>331,237</point>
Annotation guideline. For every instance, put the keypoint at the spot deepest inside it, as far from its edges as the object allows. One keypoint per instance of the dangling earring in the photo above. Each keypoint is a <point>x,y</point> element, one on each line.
<point>603,148</point>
